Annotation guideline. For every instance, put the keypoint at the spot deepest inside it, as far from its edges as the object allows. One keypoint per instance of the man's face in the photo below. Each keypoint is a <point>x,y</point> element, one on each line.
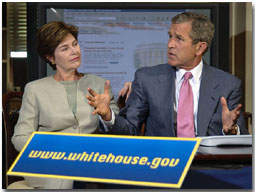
<point>181,52</point>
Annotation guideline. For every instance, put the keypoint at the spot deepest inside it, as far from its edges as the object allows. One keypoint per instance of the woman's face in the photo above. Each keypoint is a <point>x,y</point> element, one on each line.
<point>67,56</point>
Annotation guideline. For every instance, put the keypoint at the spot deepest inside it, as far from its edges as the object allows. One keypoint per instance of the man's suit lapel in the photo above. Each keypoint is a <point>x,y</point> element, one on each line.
<point>164,90</point>
<point>208,99</point>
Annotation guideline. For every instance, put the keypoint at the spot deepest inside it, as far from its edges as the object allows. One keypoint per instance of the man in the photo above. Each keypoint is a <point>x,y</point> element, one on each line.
<point>184,98</point>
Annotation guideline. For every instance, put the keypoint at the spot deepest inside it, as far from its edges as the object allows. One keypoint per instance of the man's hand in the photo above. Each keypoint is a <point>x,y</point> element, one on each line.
<point>229,118</point>
<point>126,90</point>
<point>101,102</point>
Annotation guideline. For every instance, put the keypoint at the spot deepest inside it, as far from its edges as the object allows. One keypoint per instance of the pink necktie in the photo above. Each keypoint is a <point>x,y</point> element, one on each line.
<point>185,121</point>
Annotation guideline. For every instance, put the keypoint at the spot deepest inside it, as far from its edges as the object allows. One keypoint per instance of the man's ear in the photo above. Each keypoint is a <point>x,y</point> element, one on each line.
<point>201,47</point>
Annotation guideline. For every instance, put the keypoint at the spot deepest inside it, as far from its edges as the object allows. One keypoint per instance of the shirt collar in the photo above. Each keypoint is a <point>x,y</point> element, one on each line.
<point>196,72</point>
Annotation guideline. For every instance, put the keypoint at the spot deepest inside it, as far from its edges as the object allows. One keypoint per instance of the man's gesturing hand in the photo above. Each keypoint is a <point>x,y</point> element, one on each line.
<point>229,118</point>
<point>101,102</point>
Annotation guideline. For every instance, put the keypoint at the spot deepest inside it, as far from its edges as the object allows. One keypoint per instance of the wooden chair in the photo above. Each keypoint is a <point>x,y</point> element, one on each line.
<point>248,120</point>
<point>11,103</point>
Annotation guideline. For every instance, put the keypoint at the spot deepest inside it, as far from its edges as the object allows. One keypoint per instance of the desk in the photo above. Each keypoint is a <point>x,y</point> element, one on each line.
<point>212,172</point>
<point>220,172</point>
<point>222,159</point>
<point>209,171</point>
<point>220,163</point>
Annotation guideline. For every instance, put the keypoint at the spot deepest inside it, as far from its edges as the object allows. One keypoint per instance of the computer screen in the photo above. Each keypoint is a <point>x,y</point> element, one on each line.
<point>116,42</point>
<point>116,39</point>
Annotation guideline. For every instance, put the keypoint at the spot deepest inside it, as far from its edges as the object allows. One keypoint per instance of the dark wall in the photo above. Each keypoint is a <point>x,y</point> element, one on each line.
<point>32,56</point>
<point>4,53</point>
<point>19,71</point>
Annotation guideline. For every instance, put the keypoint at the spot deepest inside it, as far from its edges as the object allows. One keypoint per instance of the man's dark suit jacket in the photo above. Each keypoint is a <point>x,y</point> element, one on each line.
<point>153,95</point>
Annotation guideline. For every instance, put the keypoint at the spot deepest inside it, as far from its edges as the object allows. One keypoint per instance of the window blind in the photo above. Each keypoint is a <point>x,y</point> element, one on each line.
<point>17,26</point>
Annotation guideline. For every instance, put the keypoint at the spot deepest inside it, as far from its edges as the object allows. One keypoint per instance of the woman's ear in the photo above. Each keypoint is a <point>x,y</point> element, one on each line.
<point>51,59</point>
<point>201,47</point>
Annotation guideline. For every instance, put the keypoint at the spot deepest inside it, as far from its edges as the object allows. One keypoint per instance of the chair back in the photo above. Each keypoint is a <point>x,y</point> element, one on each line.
<point>11,103</point>
<point>248,121</point>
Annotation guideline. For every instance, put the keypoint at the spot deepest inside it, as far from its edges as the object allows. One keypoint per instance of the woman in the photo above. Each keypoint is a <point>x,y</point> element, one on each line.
<point>58,103</point>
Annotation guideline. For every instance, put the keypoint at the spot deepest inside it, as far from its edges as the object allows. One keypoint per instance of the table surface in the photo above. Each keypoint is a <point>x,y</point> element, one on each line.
<point>224,157</point>
<point>221,171</point>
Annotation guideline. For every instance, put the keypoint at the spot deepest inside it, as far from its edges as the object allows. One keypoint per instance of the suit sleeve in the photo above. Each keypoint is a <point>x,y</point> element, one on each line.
<point>113,104</point>
<point>231,90</point>
<point>233,100</point>
<point>28,119</point>
<point>131,117</point>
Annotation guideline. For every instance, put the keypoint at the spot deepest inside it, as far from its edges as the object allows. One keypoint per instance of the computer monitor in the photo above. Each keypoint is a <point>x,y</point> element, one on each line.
<point>118,38</point>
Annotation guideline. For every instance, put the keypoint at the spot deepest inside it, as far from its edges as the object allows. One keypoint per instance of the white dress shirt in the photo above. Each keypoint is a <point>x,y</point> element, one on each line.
<point>194,83</point>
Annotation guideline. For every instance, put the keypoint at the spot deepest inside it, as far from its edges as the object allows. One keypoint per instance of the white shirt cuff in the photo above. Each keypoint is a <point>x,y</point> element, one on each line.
<point>107,124</point>
<point>238,131</point>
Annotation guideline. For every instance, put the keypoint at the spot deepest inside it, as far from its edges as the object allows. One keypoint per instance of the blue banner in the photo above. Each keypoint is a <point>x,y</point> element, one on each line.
<point>135,160</point>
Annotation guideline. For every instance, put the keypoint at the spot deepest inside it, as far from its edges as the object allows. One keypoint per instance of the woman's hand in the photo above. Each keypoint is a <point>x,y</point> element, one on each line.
<point>126,90</point>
